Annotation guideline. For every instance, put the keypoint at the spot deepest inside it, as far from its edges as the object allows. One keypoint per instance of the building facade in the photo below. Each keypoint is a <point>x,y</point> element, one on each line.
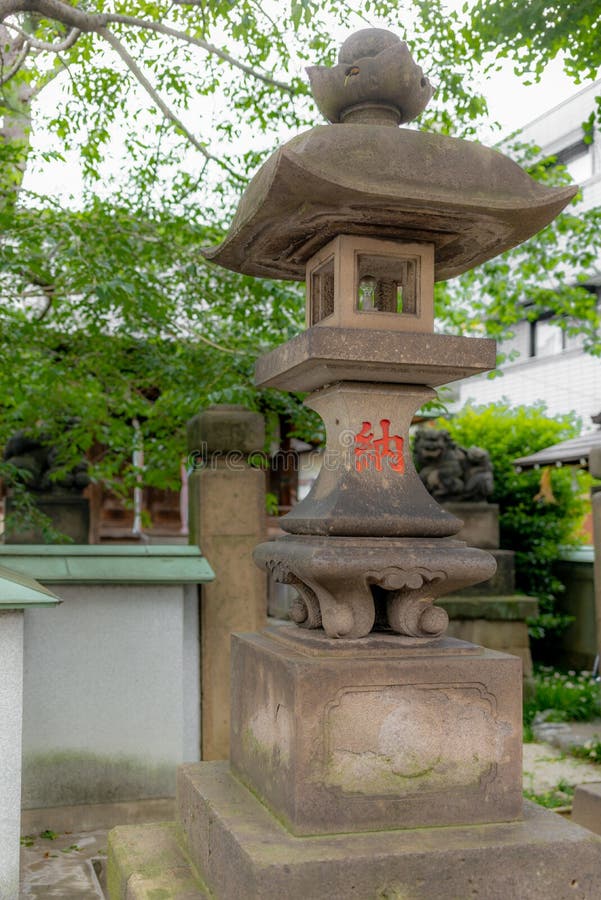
<point>548,365</point>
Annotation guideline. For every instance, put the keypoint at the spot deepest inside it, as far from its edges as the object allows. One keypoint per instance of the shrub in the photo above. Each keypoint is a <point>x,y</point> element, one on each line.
<point>536,516</point>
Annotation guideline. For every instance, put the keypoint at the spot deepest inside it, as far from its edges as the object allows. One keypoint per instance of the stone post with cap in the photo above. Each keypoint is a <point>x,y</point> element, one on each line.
<point>361,728</point>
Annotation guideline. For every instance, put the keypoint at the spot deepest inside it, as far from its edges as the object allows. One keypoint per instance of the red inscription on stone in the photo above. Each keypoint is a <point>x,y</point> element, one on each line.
<point>373,451</point>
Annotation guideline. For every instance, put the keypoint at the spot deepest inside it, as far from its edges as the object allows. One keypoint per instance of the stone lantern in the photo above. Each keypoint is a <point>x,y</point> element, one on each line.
<point>370,215</point>
<point>361,722</point>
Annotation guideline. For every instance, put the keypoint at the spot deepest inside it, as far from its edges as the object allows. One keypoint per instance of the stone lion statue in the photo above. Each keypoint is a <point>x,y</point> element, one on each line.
<point>36,462</point>
<point>450,472</point>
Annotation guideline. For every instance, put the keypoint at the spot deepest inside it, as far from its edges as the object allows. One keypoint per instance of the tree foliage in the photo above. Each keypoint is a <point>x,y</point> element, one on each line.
<point>111,317</point>
<point>149,66</point>
<point>531,34</point>
<point>109,313</point>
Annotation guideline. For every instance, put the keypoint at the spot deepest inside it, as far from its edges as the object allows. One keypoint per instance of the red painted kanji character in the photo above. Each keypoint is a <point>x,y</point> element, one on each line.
<point>368,450</point>
<point>365,452</point>
<point>390,447</point>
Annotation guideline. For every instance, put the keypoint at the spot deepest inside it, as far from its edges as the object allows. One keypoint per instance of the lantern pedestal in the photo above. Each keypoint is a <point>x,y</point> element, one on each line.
<point>346,759</point>
<point>378,736</point>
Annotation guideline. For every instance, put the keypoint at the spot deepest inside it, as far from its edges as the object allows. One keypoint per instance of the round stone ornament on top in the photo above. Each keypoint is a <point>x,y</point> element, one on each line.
<point>375,82</point>
<point>366,42</point>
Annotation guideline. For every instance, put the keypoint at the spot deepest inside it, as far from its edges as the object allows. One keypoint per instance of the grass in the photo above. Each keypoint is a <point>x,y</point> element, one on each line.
<point>563,696</point>
<point>590,751</point>
<point>558,797</point>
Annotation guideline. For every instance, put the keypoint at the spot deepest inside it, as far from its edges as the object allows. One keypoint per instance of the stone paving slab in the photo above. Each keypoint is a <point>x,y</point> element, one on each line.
<point>63,867</point>
<point>567,734</point>
<point>545,766</point>
<point>148,862</point>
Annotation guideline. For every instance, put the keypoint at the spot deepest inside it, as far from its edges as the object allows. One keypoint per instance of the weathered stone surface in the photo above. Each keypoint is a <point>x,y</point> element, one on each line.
<point>452,473</point>
<point>480,523</point>
<point>243,851</point>
<point>504,636</point>
<point>501,583</point>
<point>376,80</point>
<point>339,276</point>
<point>350,586</point>
<point>470,201</point>
<point>227,519</point>
<point>512,608</point>
<point>68,513</point>
<point>323,355</point>
<point>148,862</point>
<point>360,491</point>
<point>361,742</point>
<point>496,622</point>
<point>586,810</point>
<point>223,428</point>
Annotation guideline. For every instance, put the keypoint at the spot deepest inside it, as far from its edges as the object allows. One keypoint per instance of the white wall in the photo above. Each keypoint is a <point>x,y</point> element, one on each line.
<point>11,694</point>
<point>570,382</point>
<point>111,693</point>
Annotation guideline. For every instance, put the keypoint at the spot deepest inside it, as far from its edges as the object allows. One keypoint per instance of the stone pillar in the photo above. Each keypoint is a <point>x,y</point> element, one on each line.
<point>227,518</point>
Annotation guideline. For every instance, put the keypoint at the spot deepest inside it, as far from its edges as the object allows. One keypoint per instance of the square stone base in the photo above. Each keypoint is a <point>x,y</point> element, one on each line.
<point>379,733</point>
<point>240,851</point>
<point>586,810</point>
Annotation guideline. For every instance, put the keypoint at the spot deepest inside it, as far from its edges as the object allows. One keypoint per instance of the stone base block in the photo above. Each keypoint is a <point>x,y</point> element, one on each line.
<point>586,810</point>
<point>501,634</point>
<point>480,523</point>
<point>148,862</point>
<point>68,513</point>
<point>242,851</point>
<point>377,733</point>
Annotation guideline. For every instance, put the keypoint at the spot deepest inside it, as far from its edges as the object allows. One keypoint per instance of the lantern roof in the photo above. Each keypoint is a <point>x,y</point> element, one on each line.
<point>366,176</point>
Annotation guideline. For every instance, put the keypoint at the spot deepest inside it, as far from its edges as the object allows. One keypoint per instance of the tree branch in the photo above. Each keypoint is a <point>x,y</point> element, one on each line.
<point>158,100</point>
<point>20,59</point>
<point>76,18</point>
<point>72,16</point>
<point>160,28</point>
<point>46,45</point>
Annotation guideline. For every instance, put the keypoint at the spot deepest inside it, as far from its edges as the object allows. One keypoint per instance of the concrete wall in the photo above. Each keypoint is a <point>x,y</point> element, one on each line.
<point>11,688</point>
<point>111,693</point>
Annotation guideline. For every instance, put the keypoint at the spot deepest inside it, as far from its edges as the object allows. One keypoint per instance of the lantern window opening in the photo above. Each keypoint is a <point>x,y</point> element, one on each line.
<point>386,284</point>
<point>322,291</point>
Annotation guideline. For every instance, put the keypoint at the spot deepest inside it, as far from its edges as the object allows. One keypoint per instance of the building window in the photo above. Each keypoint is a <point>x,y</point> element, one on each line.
<point>548,338</point>
<point>578,160</point>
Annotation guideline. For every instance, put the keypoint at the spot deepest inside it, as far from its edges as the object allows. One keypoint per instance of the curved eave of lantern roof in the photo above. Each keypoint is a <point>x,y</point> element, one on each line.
<point>470,201</point>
